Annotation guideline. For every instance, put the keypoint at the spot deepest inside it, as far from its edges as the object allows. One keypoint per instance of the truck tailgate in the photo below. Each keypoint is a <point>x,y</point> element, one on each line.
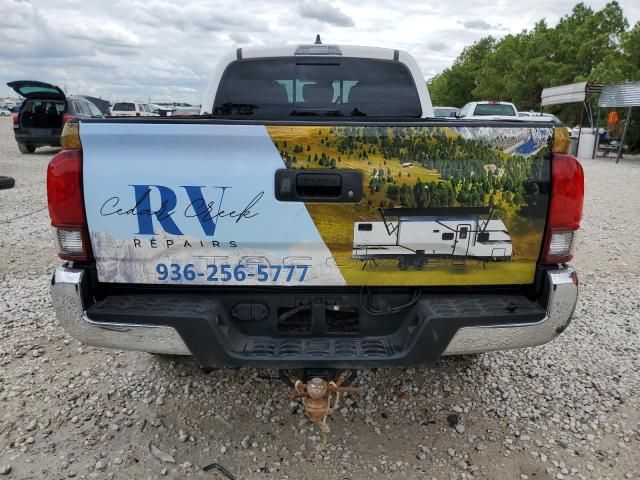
<point>227,203</point>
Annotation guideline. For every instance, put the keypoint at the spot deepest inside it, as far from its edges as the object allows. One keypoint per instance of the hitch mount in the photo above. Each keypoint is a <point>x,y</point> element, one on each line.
<point>319,390</point>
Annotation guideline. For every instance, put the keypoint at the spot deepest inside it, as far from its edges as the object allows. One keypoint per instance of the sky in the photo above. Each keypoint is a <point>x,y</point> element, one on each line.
<point>165,50</point>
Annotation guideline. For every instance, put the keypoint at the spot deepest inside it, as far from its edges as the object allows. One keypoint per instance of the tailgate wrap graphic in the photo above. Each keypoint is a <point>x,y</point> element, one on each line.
<point>196,204</point>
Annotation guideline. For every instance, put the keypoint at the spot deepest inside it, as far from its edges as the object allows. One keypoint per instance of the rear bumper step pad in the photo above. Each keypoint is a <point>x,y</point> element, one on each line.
<point>204,325</point>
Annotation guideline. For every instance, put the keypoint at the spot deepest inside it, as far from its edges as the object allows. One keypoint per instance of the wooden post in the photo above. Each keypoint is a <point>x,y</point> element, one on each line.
<point>596,143</point>
<point>584,107</point>
<point>624,133</point>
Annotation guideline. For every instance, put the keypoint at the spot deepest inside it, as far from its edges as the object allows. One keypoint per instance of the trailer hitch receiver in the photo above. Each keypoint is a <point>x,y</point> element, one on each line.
<point>321,397</point>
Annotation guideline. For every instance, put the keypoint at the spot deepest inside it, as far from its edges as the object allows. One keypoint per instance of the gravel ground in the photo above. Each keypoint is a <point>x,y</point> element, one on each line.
<point>568,409</point>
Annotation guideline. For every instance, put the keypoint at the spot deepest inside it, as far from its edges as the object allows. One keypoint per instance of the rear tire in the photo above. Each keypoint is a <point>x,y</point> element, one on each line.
<point>26,148</point>
<point>6,182</point>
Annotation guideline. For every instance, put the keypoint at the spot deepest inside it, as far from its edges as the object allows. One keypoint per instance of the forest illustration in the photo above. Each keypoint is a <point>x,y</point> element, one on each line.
<point>424,167</point>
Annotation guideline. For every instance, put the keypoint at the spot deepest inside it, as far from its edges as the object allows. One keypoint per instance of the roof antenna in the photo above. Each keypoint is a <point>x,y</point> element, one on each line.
<point>318,41</point>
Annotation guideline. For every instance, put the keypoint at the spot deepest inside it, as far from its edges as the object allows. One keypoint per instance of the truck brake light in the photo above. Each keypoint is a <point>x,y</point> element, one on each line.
<point>565,210</point>
<point>70,137</point>
<point>66,206</point>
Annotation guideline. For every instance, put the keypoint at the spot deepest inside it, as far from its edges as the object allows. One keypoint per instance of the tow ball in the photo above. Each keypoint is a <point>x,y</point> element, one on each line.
<point>319,391</point>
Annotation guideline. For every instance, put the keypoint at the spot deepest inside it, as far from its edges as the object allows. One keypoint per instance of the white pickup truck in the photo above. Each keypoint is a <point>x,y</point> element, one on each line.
<point>489,110</point>
<point>315,215</point>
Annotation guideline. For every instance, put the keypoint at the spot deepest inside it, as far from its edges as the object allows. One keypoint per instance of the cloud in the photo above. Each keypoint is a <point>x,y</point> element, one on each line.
<point>16,14</point>
<point>166,49</point>
<point>438,46</point>
<point>108,34</point>
<point>477,24</point>
<point>37,39</point>
<point>190,15</point>
<point>239,37</point>
<point>324,12</point>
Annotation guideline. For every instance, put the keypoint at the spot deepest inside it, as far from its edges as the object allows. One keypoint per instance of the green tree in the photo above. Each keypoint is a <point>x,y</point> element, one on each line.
<point>586,44</point>
<point>624,63</point>
<point>454,86</point>
<point>523,64</point>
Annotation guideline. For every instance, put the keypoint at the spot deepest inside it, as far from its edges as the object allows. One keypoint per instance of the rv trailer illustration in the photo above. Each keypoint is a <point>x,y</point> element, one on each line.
<point>413,236</point>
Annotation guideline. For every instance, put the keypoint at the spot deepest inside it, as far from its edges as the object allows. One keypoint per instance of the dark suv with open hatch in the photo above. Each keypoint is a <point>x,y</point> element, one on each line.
<point>44,112</point>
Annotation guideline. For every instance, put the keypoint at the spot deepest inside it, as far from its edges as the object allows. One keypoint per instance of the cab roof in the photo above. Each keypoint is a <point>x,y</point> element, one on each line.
<point>320,50</point>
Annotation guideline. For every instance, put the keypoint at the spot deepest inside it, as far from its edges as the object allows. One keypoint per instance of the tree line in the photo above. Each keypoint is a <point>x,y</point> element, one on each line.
<point>469,170</point>
<point>585,45</point>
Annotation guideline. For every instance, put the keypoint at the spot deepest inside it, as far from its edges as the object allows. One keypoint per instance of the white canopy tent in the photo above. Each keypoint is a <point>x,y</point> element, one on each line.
<point>573,93</point>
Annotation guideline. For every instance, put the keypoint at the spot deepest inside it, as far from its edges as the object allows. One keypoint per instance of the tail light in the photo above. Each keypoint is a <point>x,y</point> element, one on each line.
<point>66,117</point>
<point>66,205</point>
<point>565,211</point>
<point>16,120</point>
<point>137,114</point>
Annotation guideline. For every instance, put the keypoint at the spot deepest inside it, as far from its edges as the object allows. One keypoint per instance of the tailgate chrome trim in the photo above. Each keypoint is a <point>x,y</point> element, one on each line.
<point>562,295</point>
<point>68,291</point>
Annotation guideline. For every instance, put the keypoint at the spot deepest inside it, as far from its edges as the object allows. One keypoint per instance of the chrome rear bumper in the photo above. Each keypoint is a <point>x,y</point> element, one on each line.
<point>71,297</point>
<point>562,296</point>
<point>69,293</point>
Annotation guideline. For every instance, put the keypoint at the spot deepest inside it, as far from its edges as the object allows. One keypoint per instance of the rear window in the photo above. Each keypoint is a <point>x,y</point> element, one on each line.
<point>80,109</point>
<point>124,107</point>
<point>495,109</point>
<point>276,87</point>
<point>93,110</point>
<point>38,89</point>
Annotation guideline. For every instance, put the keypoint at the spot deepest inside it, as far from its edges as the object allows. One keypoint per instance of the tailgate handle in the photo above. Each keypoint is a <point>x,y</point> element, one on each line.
<point>325,186</point>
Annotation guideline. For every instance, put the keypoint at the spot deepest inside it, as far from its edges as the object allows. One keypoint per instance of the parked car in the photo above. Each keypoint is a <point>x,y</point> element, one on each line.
<point>541,117</point>
<point>132,109</point>
<point>185,111</point>
<point>44,112</point>
<point>103,105</point>
<point>445,112</point>
<point>4,112</point>
<point>162,110</point>
<point>489,109</point>
<point>265,235</point>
